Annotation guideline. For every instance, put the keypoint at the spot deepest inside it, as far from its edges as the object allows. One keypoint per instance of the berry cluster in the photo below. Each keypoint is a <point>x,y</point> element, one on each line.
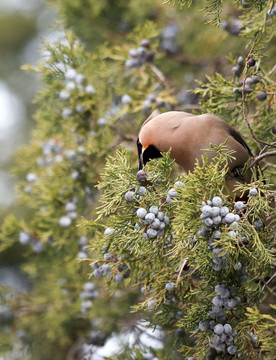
<point>233,27</point>
<point>153,220</point>
<point>82,254</point>
<point>169,36</point>
<point>223,335</point>
<point>66,220</point>
<point>213,214</point>
<point>52,152</point>
<point>152,99</point>
<point>26,239</point>
<point>89,293</point>
<point>132,195</point>
<point>140,55</point>
<point>249,81</point>
<point>74,82</point>
<point>172,193</point>
<point>32,179</point>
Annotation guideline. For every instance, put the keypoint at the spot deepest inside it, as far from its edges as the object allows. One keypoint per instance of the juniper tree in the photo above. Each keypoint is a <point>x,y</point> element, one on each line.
<point>106,248</point>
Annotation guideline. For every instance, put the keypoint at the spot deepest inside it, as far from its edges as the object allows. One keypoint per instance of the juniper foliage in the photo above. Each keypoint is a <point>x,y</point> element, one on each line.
<point>86,240</point>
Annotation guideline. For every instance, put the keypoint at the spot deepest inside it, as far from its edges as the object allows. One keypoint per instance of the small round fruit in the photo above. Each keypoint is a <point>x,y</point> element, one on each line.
<point>251,62</point>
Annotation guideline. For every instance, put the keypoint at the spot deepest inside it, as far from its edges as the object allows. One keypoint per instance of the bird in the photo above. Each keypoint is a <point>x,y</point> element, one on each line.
<point>187,135</point>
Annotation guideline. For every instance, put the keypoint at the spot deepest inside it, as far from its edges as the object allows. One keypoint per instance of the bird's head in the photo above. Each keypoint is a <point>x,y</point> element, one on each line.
<point>146,147</point>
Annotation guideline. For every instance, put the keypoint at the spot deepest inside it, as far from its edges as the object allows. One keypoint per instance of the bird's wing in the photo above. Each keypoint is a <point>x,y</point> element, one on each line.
<point>232,132</point>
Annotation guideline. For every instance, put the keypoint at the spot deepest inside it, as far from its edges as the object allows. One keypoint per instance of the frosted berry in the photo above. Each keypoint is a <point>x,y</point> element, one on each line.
<point>142,191</point>
<point>70,206</point>
<point>106,268</point>
<point>108,231</point>
<point>89,89</point>
<point>172,193</point>
<point>70,74</point>
<point>79,78</point>
<point>229,218</point>
<point>151,233</point>
<point>151,303</point>
<point>118,278</point>
<point>217,201</point>
<point>155,224</point>
<point>64,95</point>
<point>150,217</point>
<point>24,238</point>
<point>129,196</point>
<point>239,205</point>
<point>240,60</point>
<point>66,113</point>
<point>232,349</point>
<point>206,210</point>
<point>253,192</point>
<point>218,329</point>
<point>169,286</point>
<point>141,213</point>
<point>107,256</point>
<point>227,329</point>
<point>153,210</point>
<point>126,99</point>
<point>89,286</point>
<point>31,177</point>
<point>258,224</point>
<point>65,221</point>
<point>98,273</point>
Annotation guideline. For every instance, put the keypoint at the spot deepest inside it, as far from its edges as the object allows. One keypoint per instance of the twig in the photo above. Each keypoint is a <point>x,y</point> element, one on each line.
<point>158,74</point>
<point>268,281</point>
<point>258,141</point>
<point>185,261</point>
<point>260,157</point>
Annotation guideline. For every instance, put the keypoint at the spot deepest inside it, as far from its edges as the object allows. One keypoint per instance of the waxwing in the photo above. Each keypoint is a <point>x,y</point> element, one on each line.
<point>187,134</point>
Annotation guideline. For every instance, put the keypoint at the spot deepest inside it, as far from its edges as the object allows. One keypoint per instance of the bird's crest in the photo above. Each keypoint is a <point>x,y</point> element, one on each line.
<point>155,113</point>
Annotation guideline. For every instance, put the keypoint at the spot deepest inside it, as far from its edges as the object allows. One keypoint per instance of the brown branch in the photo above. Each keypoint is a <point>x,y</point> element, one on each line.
<point>258,141</point>
<point>260,157</point>
<point>159,75</point>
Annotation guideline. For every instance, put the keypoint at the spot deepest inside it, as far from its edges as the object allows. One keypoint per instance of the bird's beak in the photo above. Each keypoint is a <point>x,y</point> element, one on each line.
<point>141,161</point>
<point>140,154</point>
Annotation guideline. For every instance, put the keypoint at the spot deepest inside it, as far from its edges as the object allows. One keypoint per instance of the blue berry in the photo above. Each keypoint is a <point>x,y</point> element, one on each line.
<point>218,329</point>
<point>151,233</point>
<point>118,278</point>
<point>169,286</point>
<point>24,238</point>
<point>98,273</point>
<point>107,256</point>
<point>65,221</point>
<point>258,224</point>
<point>108,231</point>
<point>142,191</point>
<point>150,217</point>
<point>253,192</point>
<point>232,349</point>
<point>239,205</point>
<point>217,201</point>
<point>224,210</point>
<point>229,218</point>
<point>227,328</point>
<point>129,196</point>
<point>153,210</point>
<point>141,213</point>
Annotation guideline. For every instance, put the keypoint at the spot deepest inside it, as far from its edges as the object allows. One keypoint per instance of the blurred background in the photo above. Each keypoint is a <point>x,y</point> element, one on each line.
<point>22,25</point>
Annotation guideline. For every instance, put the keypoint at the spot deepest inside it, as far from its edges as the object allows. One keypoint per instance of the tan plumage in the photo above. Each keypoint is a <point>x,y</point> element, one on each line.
<point>188,134</point>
